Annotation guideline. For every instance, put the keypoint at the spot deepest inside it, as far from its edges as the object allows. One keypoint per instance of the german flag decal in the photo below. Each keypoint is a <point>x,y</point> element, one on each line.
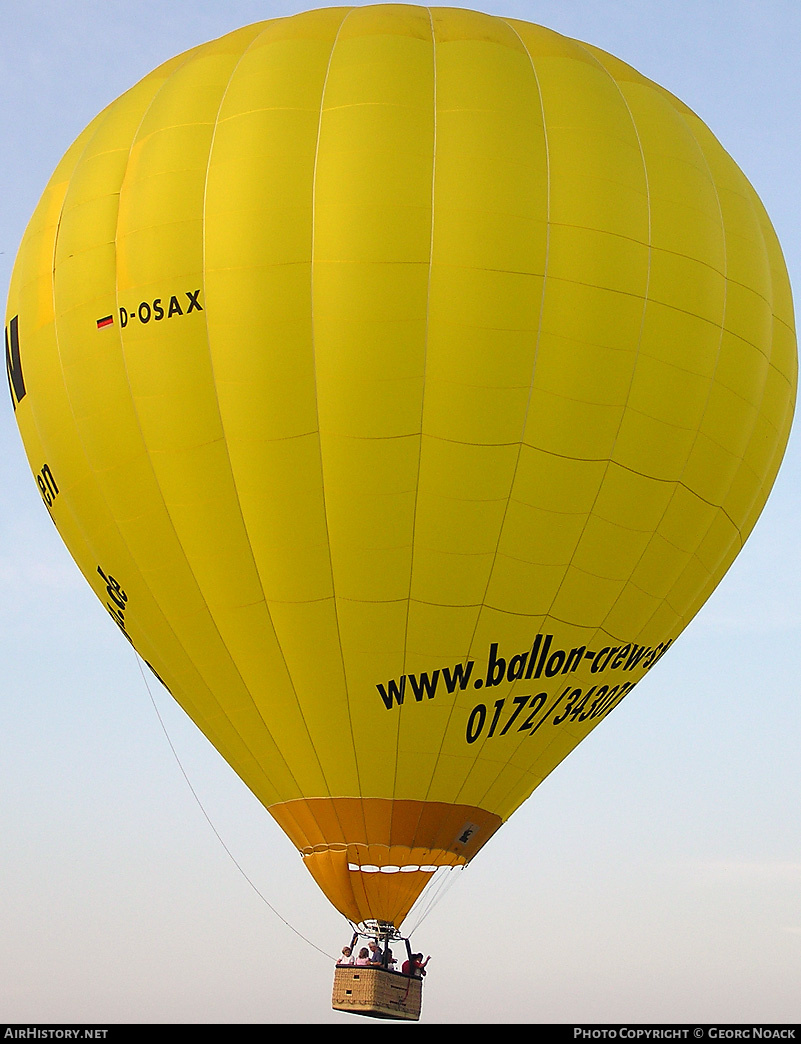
<point>107,320</point>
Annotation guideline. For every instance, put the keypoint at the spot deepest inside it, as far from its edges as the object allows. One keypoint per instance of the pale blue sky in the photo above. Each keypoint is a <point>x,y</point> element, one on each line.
<point>655,876</point>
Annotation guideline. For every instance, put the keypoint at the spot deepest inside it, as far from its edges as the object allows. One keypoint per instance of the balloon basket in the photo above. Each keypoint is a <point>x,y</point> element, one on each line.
<point>377,992</point>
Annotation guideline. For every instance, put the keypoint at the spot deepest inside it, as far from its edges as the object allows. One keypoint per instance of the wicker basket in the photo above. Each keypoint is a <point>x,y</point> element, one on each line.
<point>378,992</point>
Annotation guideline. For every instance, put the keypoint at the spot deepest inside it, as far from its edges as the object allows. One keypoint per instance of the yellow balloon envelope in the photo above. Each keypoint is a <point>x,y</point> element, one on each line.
<point>403,380</point>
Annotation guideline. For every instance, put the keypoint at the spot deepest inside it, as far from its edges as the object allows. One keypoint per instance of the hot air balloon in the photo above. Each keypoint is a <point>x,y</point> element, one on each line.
<point>403,380</point>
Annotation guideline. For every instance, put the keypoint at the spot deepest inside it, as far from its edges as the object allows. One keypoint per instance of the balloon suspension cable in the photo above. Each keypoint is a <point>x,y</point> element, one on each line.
<point>433,893</point>
<point>424,904</point>
<point>230,854</point>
